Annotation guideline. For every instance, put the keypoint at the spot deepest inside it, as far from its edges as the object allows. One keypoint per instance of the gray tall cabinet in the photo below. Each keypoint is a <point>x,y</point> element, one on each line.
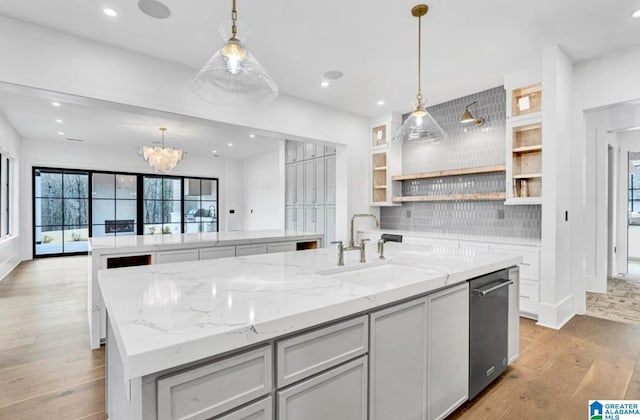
<point>311,188</point>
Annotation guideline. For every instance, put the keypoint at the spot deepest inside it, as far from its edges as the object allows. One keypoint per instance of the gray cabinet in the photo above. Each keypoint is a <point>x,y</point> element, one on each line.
<point>261,410</point>
<point>244,250</point>
<point>217,252</point>
<point>299,189</point>
<point>166,257</point>
<point>294,152</point>
<point>281,247</point>
<point>290,182</point>
<point>398,358</point>
<point>314,219</point>
<point>447,350</point>
<point>210,390</point>
<point>319,184</point>
<point>330,176</point>
<point>295,219</point>
<point>312,151</point>
<point>340,393</point>
<point>307,354</point>
<point>309,183</point>
<point>330,225</point>
<point>329,150</point>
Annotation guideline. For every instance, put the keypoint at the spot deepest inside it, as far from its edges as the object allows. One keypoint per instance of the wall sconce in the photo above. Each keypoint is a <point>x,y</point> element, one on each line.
<point>468,117</point>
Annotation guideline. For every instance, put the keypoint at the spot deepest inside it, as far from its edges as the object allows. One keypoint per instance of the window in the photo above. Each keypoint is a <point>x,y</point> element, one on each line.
<point>114,204</point>
<point>162,208</point>
<point>61,211</point>
<point>200,205</point>
<point>69,206</point>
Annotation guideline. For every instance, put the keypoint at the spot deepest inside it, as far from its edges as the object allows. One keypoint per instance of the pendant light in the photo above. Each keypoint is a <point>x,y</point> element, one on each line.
<point>420,125</point>
<point>162,159</point>
<point>233,75</point>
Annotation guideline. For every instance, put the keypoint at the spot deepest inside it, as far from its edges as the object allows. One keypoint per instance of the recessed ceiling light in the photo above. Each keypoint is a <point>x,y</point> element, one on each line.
<point>55,103</point>
<point>636,14</point>
<point>110,12</point>
<point>154,9</point>
<point>333,75</point>
<point>253,136</point>
<point>59,121</point>
<point>380,102</point>
<point>214,151</point>
<point>229,144</point>
<point>61,133</point>
<point>324,84</point>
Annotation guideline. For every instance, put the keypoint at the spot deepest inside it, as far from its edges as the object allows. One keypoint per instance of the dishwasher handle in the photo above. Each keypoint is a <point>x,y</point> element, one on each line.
<point>485,292</point>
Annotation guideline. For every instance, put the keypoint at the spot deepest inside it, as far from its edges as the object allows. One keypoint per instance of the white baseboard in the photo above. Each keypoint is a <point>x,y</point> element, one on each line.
<point>11,266</point>
<point>555,316</point>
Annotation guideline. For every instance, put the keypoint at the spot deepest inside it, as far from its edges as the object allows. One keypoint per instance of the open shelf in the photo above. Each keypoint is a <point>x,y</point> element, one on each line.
<point>379,175</point>
<point>521,201</point>
<point>526,100</point>
<point>527,176</point>
<point>380,187</point>
<point>528,149</point>
<point>380,168</point>
<point>450,172</point>
<point>452,197</point>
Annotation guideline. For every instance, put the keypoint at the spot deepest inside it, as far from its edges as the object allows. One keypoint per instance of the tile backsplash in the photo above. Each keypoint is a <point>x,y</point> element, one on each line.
<point>466,147</point>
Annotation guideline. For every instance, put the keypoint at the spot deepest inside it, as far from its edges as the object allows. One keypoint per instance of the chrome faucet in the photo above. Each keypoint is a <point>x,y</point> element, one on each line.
<point>381,248</point>
<point>362,254</point>
<point>352,245</point>
<point>340,252</point>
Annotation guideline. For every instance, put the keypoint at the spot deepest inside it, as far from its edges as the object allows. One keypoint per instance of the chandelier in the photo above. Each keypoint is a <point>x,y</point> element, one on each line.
<point>162,159</point>
<point>233,75</point>
<point>420,125</point>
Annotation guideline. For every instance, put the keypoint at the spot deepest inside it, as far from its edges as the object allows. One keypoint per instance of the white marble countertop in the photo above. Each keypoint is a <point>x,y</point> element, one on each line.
<point>142,243</point>
<point>167,315</point>
<point>507,240</point>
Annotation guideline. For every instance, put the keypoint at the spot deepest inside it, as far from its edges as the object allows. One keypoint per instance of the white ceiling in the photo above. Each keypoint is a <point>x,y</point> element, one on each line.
<point>33,117</point>
<point>468,44</point>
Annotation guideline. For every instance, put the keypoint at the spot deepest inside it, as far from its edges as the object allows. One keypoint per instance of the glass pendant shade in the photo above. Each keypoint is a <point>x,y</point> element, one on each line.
<point>233,75</point>
<point>160,158</point>
<point>420,126</point>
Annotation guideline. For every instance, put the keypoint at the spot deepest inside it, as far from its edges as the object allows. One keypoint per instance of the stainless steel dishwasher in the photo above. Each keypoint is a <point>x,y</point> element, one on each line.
<point>488,329</point>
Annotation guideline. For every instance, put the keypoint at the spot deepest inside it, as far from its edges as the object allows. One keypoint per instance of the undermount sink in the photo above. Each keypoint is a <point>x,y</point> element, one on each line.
<point>352,267</point>
<point>384,271</point>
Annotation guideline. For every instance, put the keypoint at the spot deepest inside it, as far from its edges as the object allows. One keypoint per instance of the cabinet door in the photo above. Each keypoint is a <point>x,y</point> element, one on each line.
<point>244,250</point>
<point>217,252</point>
<point>290,219</point>
<point>164,257</point>
<point>290,152</point>
<point>448,350</point>
<point>329,150</point>
<point>290,182</point>
<point>330,176</point>
<point>514,316</point>
<point>309,182</point>
<point>340,393</point>
<point>261,410</point>
<point>398,358</point>
<point>309,219</point>
<point>330,226</point>
<point>319,177</point>
<point>319,216</point>
<point>299,219</point>
<point>310,151</point>
<point>299,190</point>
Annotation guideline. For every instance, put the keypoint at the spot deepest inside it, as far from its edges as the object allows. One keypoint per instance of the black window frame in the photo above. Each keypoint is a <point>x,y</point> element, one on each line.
<point>139,228</point>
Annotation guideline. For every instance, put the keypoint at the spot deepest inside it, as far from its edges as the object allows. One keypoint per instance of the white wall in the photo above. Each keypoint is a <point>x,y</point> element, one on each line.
<point>10,246</point>
<point>64,154</point>
<point>598,83</point>
<point>50,60</point>
<point>264,189</point>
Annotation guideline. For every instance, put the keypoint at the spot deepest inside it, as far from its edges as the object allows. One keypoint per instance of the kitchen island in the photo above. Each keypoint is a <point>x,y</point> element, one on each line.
<point>293,336</point>
<point>121,251</point>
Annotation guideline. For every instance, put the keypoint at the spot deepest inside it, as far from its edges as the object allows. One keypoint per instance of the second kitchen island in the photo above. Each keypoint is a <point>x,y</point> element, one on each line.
<point>291,336</point>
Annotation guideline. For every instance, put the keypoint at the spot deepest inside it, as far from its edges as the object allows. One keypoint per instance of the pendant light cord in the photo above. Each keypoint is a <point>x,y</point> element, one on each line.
<point>234,17</point>
<point>419,96</point>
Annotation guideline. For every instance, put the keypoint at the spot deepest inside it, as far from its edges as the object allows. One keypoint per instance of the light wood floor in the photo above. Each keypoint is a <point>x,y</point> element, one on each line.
<point>48,372</point>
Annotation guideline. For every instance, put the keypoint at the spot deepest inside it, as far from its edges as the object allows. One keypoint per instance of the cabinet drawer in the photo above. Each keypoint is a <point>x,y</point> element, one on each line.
<point>530,265</point>
<point>207,391</point>
<point>529,297</point>
<point>244,250</point>
<point>281,247</point>
<point>304,355</point>
<point>165,257</point>
<point>217,252</point>
<point>339,394</point>
<point>261,410</point>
